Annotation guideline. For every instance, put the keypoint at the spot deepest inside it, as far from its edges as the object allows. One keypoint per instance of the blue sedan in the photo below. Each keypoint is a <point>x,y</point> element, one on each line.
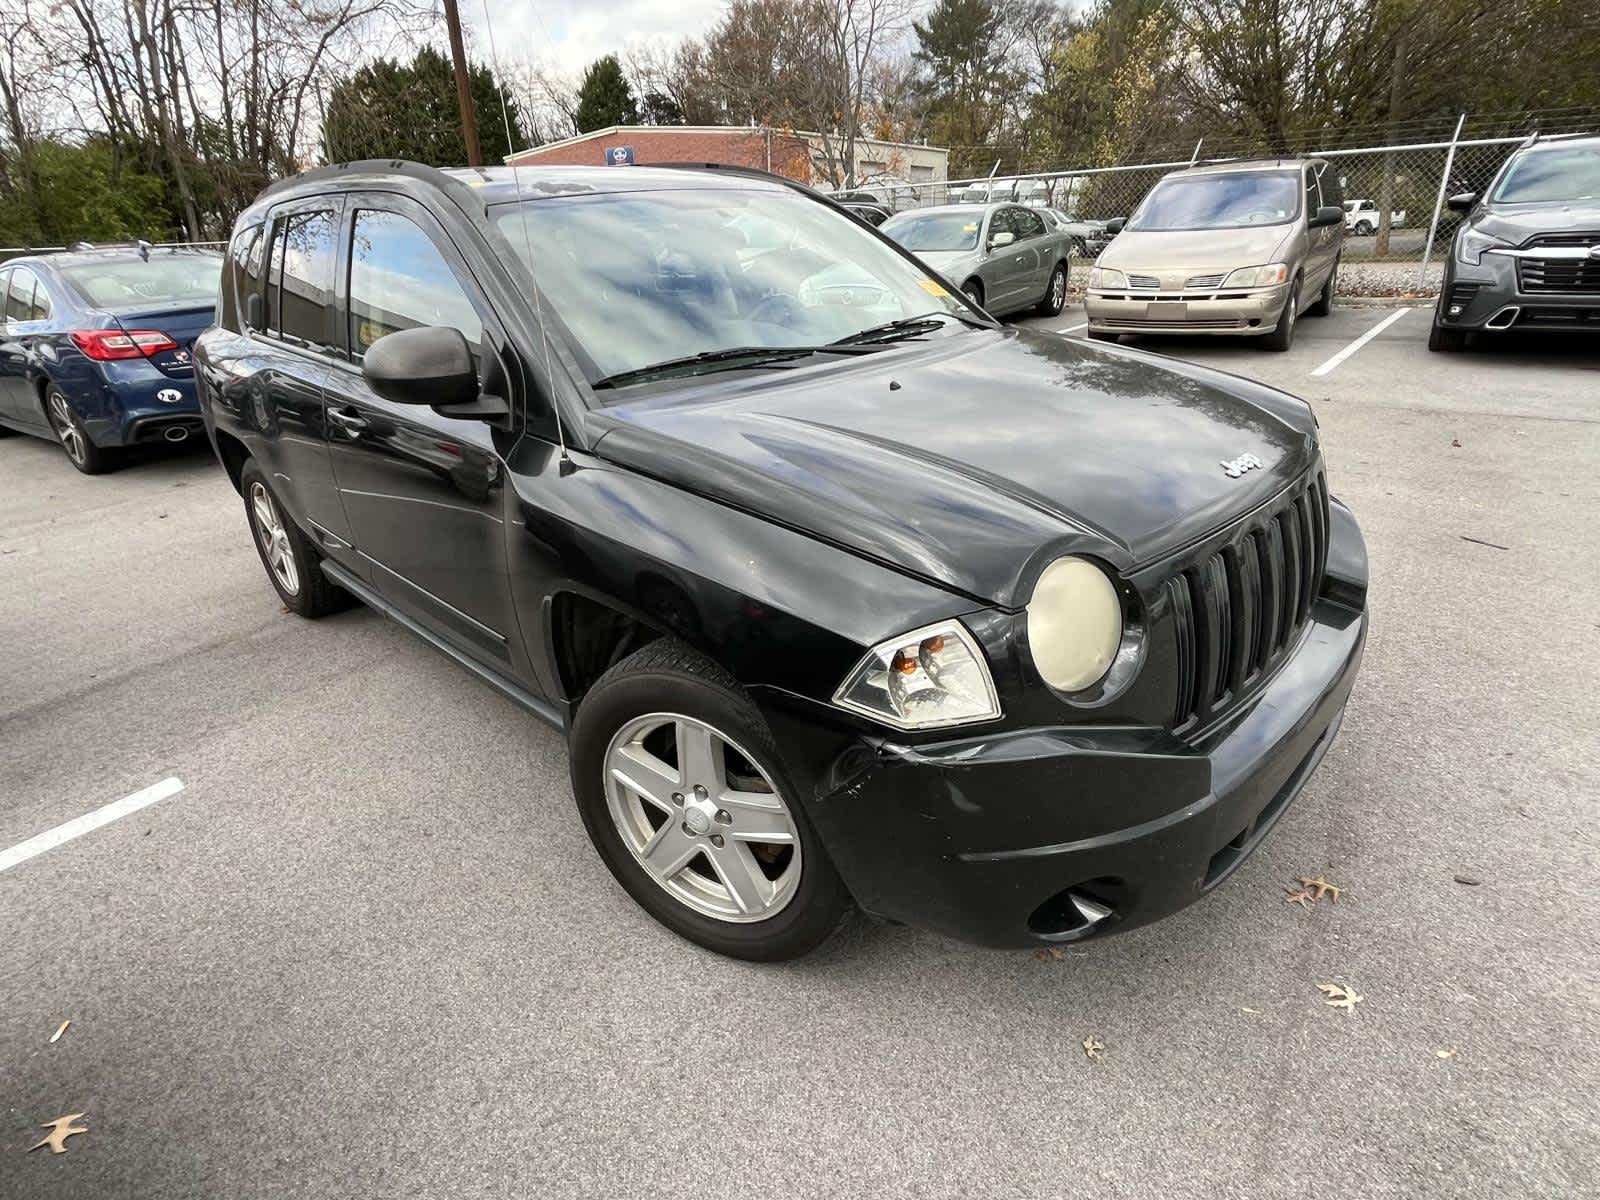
<point>95,347</point>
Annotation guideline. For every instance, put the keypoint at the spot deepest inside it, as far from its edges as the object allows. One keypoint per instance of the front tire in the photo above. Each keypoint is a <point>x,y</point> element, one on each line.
<point>1323,304</point>
<point>1055,293</point>
<point>75,441</point>
<point>681,789</point>
<point>1282,337</point>
<point>973,290</point>
<point>1363,229</point>
<point>291,562</point>
<point>1444,340</point>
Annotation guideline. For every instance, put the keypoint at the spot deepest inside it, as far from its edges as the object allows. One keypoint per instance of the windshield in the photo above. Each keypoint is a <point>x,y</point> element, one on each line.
<point>1220,201</point>
<point>164,280</point>
<point>1559,173</point>
<point>935,231</point>
<point>640,278</point>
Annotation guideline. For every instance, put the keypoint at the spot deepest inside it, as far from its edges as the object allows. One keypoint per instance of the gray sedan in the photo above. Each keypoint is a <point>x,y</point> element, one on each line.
<point>1003,256</point>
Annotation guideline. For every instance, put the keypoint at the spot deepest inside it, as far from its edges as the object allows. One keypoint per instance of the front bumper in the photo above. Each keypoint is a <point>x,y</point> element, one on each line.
<point>1487,297</point>
<point>1050,835</point>
<point>1245,311</point>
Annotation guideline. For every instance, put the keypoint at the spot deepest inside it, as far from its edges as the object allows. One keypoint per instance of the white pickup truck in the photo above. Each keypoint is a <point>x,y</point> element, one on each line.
<point>1361,217</point>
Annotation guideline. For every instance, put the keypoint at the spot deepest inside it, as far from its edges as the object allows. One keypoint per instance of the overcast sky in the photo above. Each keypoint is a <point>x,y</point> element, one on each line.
<point>569,36</point>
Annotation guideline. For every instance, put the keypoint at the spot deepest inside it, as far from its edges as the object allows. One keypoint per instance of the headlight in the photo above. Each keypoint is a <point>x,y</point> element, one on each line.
<point>1471,243</point>
<point>1103,278</point>
<point>1074,624</point>
<point>1264,276</point>
<point>927,678</point>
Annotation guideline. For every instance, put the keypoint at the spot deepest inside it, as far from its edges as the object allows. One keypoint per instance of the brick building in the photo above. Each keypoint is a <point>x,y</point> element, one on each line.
<point>797,154</point>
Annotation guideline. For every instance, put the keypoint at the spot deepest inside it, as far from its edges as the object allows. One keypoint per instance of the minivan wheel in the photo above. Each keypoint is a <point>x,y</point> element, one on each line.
<point>75,441</point>
<point>1282,337</point>
<point>1323,304</point>
<point>292,563</point>
<point>1055,293</point>
<point>681,790</point>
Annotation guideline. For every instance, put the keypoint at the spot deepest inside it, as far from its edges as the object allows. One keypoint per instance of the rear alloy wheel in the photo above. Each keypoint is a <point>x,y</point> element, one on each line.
<point>75,440</point>
<point>1282,337</point>
<point>291,561</point>
<point>681,790</point>
<point>1055,293</point>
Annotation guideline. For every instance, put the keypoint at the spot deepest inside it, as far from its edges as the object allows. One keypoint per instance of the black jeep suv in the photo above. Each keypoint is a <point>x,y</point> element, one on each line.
<point>840,590</point>
<point>1527,255</point>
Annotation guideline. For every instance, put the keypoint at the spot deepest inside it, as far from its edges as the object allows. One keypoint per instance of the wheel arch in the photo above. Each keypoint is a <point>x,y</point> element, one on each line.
<point>234,455</point>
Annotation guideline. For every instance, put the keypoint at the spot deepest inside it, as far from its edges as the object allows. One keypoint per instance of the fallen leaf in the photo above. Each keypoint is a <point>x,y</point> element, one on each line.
<point>1444,1053</point>
<point>1301,897</point>
<point>60,1130</point>
<point>56,1036</point>
<point>1093,1048</point>
<point>1469,880</point>
<point>1340,996</point>
<point>1255,1012</point>
<point>1455,443</point>
<point>1050,954</point>
<point>1320,887</point>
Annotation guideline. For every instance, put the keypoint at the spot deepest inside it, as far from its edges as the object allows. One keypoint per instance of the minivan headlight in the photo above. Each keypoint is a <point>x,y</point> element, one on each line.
<point>1104,278</point>
<point>1471,243</point>
<point>1263,276</point>
<point>1074,624</point>
<point>924,679</point>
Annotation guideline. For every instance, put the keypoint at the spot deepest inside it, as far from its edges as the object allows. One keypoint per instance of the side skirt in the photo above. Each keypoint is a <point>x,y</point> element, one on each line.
<point>515,692</point>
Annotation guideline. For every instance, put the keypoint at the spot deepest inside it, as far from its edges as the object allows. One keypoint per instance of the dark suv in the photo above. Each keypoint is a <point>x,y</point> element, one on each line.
<point>1527,254</point>
<point>839,590</point>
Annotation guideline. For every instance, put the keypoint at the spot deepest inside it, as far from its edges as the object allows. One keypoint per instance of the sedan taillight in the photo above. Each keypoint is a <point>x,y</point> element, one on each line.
<point>105,345</point>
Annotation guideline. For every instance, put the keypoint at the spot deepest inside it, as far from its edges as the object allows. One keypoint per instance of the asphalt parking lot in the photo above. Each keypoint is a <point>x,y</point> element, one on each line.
<point>367,949</point>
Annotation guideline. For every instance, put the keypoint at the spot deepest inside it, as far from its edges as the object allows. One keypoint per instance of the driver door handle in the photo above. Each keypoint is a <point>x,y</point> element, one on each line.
<point>347,420</point>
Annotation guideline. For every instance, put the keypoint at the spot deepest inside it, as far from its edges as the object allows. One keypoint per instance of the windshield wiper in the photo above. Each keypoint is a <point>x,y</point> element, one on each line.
<point>732,358</point>
<point>905,328</point>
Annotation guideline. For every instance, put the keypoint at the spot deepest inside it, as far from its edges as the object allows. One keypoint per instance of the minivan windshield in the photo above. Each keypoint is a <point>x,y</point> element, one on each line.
<point>167,279</point>
<point>651,277</point>
<point>934,231</point>
<point>1556,174</point>
<point>1226,201</point>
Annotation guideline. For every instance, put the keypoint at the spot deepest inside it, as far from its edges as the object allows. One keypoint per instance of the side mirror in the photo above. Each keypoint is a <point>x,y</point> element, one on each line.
<point>1004,238</point>
<point>1115,225</point>
<point>1328,214</point>
<point>430,364</point>
<point>1461,202</point>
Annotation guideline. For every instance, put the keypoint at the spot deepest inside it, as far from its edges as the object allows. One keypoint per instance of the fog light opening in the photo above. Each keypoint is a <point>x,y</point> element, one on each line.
<point>1254,322</point>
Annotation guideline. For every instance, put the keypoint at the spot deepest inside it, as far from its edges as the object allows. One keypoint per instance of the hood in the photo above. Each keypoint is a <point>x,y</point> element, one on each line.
<point>1196,251</point>
<point>1516,223</point>
<point>974,460</point>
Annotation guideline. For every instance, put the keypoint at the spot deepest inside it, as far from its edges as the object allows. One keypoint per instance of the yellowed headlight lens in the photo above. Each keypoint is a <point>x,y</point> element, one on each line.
<point>1074,624</point>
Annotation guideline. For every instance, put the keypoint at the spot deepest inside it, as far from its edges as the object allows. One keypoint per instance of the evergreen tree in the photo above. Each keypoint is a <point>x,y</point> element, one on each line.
<point>604,97</point>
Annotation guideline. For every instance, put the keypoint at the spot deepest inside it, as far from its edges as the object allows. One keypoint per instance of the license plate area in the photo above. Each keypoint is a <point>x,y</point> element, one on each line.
<point>1168,311</point>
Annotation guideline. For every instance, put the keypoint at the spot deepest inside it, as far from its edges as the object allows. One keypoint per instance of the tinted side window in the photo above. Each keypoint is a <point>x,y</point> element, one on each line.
<point>399,280</point>
<point>1001,222</point>
<point>1313,196</point>
<point>19,296</point>
<point>301,284</point>
<point>244,268</point>
<point>1332,186</point>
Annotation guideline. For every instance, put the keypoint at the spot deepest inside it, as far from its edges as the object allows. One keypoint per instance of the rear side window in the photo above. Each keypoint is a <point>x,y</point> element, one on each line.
<point>21,303</point>
<point>244,269</point>
<point>300,287</point>
<point>399,280</point>
<point>1028,224</point>
<point>1313,196</point>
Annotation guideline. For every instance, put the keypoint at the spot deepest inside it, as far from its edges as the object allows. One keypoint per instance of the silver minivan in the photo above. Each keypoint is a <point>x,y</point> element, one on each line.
<point>1241,248</point>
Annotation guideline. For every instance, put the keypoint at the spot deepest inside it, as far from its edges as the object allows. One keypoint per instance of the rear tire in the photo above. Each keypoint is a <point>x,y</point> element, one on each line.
<point>1055,293</point>
<point>1281,338</point>
<point>1363,229</point>
<point>75,441</point>
<point>702,867</point>
<point>291,561</point>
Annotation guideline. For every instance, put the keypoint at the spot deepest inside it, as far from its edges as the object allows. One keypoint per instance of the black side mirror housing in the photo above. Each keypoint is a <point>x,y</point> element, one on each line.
<point>1115,225</point>
<point>1327,215</point>
<point>1461,202</point>
<point>431,364</point>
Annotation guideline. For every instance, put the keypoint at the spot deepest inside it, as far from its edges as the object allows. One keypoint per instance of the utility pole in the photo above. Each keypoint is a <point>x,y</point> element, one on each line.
<point>458,55</point>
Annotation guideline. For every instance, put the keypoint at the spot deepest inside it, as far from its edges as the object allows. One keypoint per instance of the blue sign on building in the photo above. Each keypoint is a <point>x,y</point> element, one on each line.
<point>619,156</point>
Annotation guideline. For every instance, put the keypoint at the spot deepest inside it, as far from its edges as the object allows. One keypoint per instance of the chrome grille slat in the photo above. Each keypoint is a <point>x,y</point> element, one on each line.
<point>1144,283</point>
<point>1203,283</point>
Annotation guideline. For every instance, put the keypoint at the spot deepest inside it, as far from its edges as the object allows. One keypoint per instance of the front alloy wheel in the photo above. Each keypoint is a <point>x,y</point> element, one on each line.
<point>680,786</point>
<point>291,561</point>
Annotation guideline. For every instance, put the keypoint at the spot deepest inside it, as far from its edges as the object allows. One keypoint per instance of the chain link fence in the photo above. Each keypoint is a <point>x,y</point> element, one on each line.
<point>1396,220</point>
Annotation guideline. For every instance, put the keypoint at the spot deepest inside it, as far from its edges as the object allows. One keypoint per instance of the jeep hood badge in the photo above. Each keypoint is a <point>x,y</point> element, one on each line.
<point>1233,468</point>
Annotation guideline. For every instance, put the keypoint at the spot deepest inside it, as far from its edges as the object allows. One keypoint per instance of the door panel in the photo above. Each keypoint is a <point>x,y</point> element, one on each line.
<point>423,492</point>
<point>19,332</point>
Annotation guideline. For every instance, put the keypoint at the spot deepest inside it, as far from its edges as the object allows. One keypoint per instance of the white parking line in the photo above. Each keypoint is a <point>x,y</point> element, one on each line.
<point>1360,341</point>
<point>88,823</point>
<point>1074,328</point>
